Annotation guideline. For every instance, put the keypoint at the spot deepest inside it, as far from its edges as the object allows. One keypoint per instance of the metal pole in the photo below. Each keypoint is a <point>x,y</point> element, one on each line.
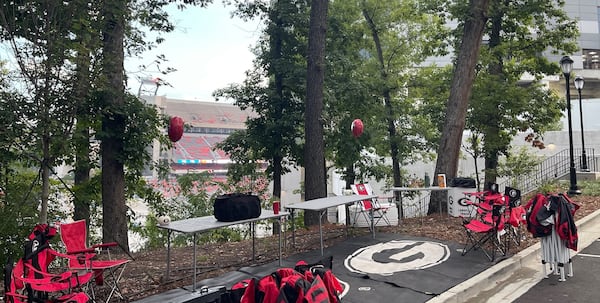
<point>168,255</point>
<point>280,228</point>
<point>195,265</point>
<point>372,221</point>
<point>573,189</point>
<point>584,166</point>
<point>321,231</point>
<point>253,231</point>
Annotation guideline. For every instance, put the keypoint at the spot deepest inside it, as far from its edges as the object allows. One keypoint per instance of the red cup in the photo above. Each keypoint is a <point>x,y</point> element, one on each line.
<point>276,206</point>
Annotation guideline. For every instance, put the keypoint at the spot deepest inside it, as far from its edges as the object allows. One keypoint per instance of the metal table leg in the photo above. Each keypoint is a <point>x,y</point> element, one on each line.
<point>293,228</point>
<point>372,221</point>
<point>321,231</point>
<point>253,232</point>
<point>168,255</point>
<point>280,227</point>
<point>195,265</point>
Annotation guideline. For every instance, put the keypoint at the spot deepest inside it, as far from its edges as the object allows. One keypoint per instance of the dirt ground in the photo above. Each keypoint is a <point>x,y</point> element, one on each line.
<point>145,276</point>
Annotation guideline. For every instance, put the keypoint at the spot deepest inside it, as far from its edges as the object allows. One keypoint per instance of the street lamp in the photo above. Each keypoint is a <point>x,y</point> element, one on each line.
<point>579,85</point>
<point>566,65</point>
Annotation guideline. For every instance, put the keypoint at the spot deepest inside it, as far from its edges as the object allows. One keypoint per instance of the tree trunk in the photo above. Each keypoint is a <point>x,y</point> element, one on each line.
<point>277,172</point>
<point>460,92</point>
<point>491,173</point>
<point>315,185</point>
<point>81,204</point>
<point>387,99</point>
<point>491,152</point>
<point>81,138</point>
<point>114,224</point>
<point>491,135</point>
<point>45,176</point>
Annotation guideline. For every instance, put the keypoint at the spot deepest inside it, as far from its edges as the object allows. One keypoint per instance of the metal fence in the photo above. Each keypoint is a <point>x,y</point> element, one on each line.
<point>552,168</point>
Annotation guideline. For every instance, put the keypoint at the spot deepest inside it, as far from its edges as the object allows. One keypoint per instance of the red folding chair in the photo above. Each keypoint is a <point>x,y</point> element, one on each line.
<point>30,280</point>
<point>483,233</point>
<point>81,257</point>
<point>370,207</point>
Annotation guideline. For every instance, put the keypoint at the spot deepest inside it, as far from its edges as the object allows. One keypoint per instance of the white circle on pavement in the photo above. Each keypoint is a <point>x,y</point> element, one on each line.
<point>395,256</point>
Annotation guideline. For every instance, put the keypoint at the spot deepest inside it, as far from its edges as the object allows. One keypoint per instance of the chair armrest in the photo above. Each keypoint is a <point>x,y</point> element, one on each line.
<point>82,251</point>
<point>112,244</point>
<point>82,257</point>
<point>46,275</point>
<point>104,245</point>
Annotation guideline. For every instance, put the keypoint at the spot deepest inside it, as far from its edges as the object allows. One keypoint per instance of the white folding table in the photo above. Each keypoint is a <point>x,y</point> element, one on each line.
<point>321,205</point>
<point>206,223</point>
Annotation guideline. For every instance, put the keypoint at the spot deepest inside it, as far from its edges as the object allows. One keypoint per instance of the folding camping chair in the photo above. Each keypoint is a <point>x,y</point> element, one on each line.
<point>485,200</point>
<point>81,257</point>
<point>369,207</point>
<point>30,280</point>
<point>18,288</point>
<point>486,231</point>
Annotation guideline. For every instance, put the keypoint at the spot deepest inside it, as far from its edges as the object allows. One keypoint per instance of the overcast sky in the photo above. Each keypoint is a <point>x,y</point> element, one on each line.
<point>208,48</point>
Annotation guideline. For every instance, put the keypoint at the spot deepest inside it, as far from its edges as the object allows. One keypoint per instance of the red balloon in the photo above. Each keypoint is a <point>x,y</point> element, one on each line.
<point>357,128</point>
<point>175,128</point>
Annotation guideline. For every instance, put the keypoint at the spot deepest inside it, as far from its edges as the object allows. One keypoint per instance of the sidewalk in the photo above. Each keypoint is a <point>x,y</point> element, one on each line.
<point>511,278</point>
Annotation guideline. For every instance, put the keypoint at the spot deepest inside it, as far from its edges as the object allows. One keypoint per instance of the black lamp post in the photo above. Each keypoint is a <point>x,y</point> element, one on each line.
<point>579,85</point>
<point>566,64</point>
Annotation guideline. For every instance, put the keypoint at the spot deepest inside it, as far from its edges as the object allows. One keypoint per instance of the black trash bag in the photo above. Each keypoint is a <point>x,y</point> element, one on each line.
<point>236,207</point>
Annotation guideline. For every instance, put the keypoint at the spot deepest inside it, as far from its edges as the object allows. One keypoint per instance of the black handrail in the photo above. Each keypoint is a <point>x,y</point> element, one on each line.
<point>551,168</point>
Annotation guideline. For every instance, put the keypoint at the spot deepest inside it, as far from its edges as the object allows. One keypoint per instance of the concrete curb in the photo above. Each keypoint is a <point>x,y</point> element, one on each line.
<point>588,230</point>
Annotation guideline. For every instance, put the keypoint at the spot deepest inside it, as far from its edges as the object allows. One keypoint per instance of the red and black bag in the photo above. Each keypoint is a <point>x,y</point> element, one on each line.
<point>566,228</point>
<point>538,210</point>
<point>236,207</point>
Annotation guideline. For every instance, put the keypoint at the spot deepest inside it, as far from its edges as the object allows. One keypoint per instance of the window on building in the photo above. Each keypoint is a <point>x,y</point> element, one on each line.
<point>591,58</point>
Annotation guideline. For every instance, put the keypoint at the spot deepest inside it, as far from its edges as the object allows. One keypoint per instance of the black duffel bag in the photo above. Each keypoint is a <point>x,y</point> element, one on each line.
<point>236,206</point>
<point>463,182</point>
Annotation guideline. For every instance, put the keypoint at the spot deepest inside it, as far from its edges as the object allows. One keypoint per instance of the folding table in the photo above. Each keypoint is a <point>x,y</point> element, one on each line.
<point>321,205</point>
<point>206,223</point>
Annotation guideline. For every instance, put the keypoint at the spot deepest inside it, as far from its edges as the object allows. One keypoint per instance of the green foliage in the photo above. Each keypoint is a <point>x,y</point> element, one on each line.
<point>370,49</point>
<point>19,208</point>
<point>519,35</point>
<point>519,163</point>
<point>551,187</point>
<point>274,90</point>
<point>192,195</point>
<point>590,188</point>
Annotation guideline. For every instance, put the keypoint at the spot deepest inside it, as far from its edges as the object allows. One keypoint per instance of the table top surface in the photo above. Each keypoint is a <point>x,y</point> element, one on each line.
<point>327,202</point>
<point>418,188</point>
<point>200,224</point>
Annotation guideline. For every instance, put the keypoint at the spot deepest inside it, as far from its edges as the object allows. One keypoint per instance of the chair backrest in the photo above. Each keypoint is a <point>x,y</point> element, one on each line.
<point>37,249</point>
<point>74,235</point>
<point>363,190</point>
<point>513,195</point>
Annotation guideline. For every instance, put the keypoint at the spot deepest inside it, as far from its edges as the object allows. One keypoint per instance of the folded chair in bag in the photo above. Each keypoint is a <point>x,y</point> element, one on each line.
<point>370,207</point>
<point>82,257</point>
<point>486,231</point>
